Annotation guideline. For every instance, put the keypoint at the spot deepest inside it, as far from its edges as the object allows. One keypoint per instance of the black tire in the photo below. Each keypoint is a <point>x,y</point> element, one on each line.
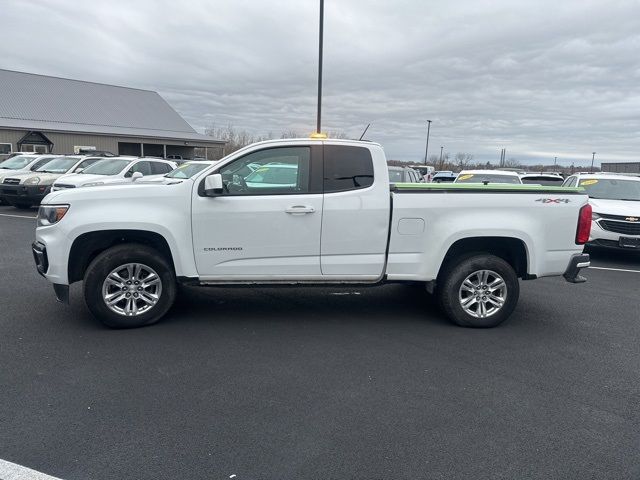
<point>454,274</point>
<point>117,256</point>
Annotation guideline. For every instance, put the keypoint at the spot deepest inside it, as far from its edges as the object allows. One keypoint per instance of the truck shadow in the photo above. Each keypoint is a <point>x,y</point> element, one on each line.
<point>388,303</point>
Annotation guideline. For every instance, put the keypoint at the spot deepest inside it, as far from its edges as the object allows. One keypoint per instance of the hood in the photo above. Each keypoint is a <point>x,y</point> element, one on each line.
<point>79,179</point>
<point>615,207</point>
<point>45,178</point>
<point>10,173</point>
<point>109,193</point>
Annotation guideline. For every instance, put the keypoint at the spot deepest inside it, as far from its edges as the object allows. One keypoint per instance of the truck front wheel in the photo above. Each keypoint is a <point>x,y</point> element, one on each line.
<point>478,291</point>
<point>129,285</point>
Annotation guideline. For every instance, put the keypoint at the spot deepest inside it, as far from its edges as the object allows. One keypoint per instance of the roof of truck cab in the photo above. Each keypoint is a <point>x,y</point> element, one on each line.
<point>318,141</point>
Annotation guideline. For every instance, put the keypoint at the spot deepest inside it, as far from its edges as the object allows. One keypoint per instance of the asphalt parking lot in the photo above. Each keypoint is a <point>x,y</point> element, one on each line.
<point>321,383</point>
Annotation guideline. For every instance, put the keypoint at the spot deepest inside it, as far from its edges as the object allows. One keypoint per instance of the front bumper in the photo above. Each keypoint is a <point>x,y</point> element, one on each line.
<point>577,263</point>
<point>615,233</point>
<point>32,194</point>
<point>42,265</point>
<point>40,257</point>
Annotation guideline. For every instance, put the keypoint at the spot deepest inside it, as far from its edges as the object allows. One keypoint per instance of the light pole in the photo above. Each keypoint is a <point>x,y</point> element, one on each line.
<point>319,119</point>
<point>555,163</point>
<point>593,157</point>
<point>440,166</point>
<point>426,150</point>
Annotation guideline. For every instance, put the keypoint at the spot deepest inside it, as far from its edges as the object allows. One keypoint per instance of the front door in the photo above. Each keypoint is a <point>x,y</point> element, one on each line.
<point>266,224</point>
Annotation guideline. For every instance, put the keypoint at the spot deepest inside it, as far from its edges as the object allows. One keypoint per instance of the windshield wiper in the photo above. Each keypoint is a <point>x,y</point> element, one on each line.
<point>630,199</point>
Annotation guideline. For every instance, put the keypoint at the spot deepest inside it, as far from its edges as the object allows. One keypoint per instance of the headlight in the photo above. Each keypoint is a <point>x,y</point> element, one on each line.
<point>32,181</point>
<point>92,184</point>
<point>51,214</point>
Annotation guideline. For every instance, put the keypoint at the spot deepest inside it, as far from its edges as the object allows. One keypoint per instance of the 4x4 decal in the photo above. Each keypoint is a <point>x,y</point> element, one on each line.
<point>553,200</point>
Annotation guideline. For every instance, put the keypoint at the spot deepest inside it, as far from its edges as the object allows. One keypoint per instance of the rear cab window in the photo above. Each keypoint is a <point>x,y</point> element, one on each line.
<point>347,168</point>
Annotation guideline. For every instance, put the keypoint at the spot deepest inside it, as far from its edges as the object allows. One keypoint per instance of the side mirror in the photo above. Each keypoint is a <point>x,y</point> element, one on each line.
<point>213,185</point>
<point>79,170</point>
<point>136,176</point>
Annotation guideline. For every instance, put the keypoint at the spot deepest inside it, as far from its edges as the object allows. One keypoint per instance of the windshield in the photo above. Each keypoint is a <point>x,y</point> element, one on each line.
<point>612,189</point>
<point>187,170</point>
<point>395,175</point>
<point>107,167</point>
<point>487,177</point>
<point>549,181</point>
<point>16,163</point>
<point>58,165</point>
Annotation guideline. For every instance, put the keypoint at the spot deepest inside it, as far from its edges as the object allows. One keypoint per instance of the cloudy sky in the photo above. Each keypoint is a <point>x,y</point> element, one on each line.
<point>540,78</point>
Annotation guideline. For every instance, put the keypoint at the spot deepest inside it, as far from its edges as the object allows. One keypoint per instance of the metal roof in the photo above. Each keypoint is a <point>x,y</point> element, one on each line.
<point>38,102</point>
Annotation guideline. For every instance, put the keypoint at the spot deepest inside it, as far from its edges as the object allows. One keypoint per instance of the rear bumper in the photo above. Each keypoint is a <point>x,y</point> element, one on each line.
<point>577,263</point>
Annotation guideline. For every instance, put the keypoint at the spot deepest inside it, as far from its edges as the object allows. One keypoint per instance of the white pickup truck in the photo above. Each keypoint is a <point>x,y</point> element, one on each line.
<point>308,212</point>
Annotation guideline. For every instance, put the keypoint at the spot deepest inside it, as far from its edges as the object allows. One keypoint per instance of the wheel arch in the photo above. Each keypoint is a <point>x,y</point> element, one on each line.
<point>511,249</point>
<point>88,246</point>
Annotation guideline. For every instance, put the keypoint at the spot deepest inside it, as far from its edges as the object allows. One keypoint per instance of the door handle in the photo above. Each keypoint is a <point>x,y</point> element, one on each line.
<point>299,209</point>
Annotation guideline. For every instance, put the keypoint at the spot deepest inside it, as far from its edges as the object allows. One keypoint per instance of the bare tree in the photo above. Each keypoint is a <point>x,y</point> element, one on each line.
<point>433,159</point>
<point>463,160</point>
<point>290,134</point>
<point>512,163</point>
<point>235,139</point>
<point>443,162</point>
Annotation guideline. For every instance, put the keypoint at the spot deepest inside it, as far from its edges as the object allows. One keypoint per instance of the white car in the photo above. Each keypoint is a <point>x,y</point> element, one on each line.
<point>180,173</point>
<point>329,217</point>
<point>546,179</point>
<point>488,177</point>
<point>22,164</point>
<point>22,190</point>
<point>615,200</point>
<point>115,170</point>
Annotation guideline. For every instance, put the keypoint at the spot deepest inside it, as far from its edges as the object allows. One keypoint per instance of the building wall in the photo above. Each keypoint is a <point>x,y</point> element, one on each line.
<point>64,142</point>
<point>621,167</point>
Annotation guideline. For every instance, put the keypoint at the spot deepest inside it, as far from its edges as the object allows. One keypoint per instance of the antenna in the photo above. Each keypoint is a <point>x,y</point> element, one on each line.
<point>365,131</point>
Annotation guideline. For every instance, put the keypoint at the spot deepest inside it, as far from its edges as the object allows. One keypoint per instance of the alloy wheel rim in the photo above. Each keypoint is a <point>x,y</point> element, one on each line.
<point>483,293</point>
<point>131,289</point>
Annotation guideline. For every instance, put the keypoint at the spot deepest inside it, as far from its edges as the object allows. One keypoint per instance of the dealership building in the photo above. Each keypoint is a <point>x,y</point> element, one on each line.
<point>621,167</point>
<point>46,114</point>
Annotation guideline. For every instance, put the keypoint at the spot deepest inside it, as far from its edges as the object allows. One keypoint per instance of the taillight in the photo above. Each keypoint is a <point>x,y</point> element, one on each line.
<point>584,225</point>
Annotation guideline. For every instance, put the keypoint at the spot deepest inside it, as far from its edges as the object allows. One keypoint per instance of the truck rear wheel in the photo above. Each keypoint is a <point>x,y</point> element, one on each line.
<point>129,286</point>
<point>479,291</point>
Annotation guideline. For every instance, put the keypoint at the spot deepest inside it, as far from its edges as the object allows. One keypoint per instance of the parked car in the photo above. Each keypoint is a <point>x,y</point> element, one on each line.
<point>488,176</point>
<point>113,171</point>
<point>548,179</point>
<point>26,189</point>
<point>180,173</point>
<point>444,176</point>
<point>21,164</point>
<point>404,175</point>
<point>615,200</point>
<point>340,223</point>
<point>426,172</point>
<point>96,153</point>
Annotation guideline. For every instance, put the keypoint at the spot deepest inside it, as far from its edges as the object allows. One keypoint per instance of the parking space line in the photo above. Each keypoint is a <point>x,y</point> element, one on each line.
<point>16,216</point>
<point>13,471</point>
<point>615,269</point>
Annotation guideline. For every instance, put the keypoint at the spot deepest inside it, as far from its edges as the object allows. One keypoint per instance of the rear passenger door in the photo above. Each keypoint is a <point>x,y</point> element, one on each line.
<point>355,217</point>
